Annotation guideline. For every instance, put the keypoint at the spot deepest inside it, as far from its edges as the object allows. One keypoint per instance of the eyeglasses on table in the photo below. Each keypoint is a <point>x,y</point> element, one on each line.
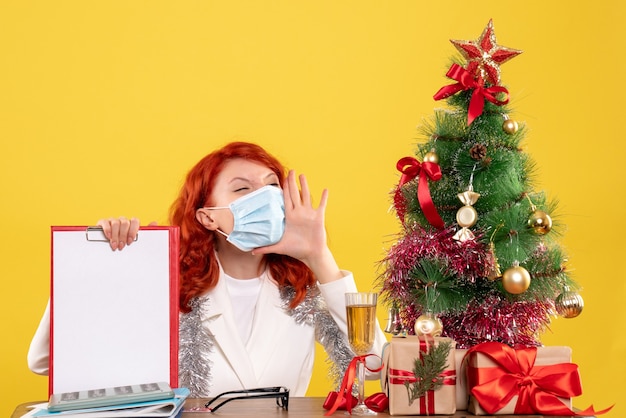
<point>281,394</point>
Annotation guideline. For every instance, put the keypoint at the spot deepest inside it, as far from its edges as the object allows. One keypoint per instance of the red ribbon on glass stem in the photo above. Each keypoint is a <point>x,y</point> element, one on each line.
<point>538,388</point>
<point>411,168</point>
<point>345,392</point>
<point>465,82</point>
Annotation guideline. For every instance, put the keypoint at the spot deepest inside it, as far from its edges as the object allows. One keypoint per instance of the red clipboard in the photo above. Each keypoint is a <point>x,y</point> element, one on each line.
<point>113,314</point>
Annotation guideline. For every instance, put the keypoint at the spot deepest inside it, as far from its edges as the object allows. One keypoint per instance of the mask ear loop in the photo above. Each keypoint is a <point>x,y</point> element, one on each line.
<point>214,208</point>
<point>221,232</point>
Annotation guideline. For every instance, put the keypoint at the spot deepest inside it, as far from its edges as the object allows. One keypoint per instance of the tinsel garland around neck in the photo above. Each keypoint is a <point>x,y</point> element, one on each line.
<point>196,343</point>
<point>314,312</point>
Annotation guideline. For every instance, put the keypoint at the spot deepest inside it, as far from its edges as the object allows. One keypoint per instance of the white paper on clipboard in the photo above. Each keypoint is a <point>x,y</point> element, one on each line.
<point>114,314</point>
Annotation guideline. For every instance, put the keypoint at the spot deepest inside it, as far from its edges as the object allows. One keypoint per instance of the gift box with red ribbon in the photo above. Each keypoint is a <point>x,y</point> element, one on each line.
<point>399,379</point>
<point>534,380</point>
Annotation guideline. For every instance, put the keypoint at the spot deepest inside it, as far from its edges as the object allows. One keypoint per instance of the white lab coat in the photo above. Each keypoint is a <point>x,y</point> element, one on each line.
<point>279,351</point>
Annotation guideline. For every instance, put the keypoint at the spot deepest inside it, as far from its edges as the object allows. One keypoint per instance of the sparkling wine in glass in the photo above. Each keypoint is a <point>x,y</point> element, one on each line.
<point>361,313</point>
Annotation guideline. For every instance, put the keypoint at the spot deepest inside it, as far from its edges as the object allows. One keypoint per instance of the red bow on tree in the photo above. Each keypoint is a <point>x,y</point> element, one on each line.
<point>465,82</point>
<point>411,168</point>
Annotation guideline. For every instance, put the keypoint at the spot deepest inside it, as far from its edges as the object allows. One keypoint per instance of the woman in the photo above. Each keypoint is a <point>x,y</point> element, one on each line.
<point>258,282</point>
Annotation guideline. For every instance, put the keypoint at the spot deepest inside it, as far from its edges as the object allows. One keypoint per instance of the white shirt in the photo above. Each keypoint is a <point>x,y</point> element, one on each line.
<point>243,295</point>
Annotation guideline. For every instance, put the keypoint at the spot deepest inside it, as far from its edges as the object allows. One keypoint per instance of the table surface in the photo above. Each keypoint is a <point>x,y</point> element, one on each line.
<point>256,408</point>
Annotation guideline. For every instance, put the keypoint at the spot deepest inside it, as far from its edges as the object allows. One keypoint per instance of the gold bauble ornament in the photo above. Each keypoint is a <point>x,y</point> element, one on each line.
<point>540,222</point>
<point>510,126</point>
<point>427,324</point>
<point>569,304</point>
<point>516,279</point>
<point>431,157</point>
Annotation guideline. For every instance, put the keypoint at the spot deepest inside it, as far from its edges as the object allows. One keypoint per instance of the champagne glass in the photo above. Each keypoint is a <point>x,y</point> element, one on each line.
<point>361,313</point>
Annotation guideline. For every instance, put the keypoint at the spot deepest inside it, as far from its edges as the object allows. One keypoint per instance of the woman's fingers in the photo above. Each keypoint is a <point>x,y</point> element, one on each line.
<point>297,196</point>
<point>305,194</point>
<point>293,194</point>
<point>119,231</point>
<point>133,228</point>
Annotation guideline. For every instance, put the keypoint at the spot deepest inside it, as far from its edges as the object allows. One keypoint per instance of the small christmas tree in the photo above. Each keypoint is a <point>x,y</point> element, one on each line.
<point>477,257</point>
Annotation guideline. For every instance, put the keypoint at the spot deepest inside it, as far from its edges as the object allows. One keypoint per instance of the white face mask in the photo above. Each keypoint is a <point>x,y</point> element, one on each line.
<point>259,218</point>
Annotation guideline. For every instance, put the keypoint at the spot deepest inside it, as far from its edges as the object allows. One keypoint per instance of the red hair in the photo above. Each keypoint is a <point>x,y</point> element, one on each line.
<point>199,269</point>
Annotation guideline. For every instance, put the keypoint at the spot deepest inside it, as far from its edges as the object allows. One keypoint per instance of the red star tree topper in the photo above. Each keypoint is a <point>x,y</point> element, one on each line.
<point>484,56</point>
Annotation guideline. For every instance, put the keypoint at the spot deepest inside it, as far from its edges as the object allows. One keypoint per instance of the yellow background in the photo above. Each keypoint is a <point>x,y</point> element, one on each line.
<point>105,105</point>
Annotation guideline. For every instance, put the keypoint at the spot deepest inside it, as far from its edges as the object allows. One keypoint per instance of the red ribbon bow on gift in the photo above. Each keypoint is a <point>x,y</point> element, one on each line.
<point>334,402</point>
<point>411,168</point>
<point>465,82</point>
<point>537,387</point>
